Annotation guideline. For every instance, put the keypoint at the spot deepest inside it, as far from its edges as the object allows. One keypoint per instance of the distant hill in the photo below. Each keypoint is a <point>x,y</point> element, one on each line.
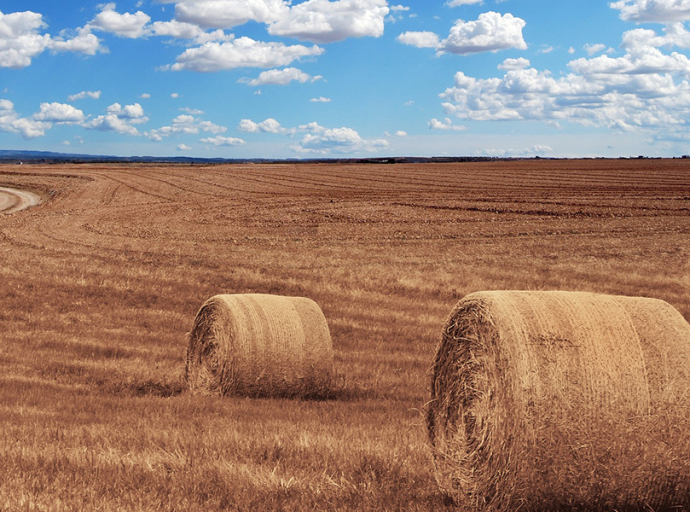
<point>16,156</point>
<point>10,155</point>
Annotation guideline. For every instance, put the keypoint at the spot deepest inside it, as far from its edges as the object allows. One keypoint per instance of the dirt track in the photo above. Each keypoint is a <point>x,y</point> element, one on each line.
<point>13,200</point>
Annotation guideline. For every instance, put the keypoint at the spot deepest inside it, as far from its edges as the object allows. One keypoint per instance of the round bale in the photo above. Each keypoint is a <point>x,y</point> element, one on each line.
<point>562,401</point>
<point>261,346</point>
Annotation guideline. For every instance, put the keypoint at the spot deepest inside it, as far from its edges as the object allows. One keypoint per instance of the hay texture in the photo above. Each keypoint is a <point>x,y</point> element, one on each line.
<point>562,401</point>
<point>260,345</point>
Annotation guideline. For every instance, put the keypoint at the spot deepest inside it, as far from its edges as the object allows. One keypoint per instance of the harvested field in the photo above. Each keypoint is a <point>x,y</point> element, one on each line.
<point>101,282</point>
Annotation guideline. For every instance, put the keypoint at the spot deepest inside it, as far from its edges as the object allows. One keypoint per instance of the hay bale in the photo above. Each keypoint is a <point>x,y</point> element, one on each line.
<point>562,401</point>
<point>260,345</point>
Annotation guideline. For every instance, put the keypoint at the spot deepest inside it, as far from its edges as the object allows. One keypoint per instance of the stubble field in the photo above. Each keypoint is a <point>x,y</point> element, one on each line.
<point>100,284</point>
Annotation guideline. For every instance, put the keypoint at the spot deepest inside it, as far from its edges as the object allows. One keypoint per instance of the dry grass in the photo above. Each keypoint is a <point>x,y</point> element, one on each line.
<point>561,401</point>
<point>100,285</point>
<point>260,345</point>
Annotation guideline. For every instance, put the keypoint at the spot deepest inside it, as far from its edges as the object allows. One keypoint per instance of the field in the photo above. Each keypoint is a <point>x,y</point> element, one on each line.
<point>100,285</point>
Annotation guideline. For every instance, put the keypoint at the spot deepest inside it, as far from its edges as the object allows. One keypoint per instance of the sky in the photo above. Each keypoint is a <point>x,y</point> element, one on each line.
<point>346,78</point>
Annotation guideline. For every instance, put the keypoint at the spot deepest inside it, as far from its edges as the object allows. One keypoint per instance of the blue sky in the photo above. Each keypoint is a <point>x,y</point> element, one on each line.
<point>346,78</point>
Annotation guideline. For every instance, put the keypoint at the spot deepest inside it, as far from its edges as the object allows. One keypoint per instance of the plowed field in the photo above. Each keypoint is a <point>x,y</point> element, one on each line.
<point>100,283</point>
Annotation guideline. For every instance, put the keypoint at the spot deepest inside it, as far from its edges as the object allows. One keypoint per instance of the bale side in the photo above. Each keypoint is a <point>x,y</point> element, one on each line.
<point>562,401</point>
<point>260,345</point>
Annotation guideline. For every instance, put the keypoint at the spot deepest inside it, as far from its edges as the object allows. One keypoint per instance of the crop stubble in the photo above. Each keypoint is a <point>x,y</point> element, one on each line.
<point>102,281</point>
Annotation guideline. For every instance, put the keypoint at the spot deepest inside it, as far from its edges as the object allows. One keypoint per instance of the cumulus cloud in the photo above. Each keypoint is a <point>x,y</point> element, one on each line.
<point>318,139</point>
<point>322,140</point>
<point>85,94</point>
<point>519,63</point>
<point>124,25</point>
<point>83,42</point>
<point>420,39</point>
<point>223,141</point>
<point>456,3</point>
<point>446,124</point>
<point>12,122</point>
<point>323,21</point>
<point>270,125</point>
<point>644,89</point>
<point>491,32</point>
<point>177,29</point>
<point>281,77</point>
<point>591,49</point>
<point>320,99</point>
<point>241,52</point>
<point>21,39</point>
<point>119,119</point>
<point>655,11</point>
<point>183,147</point>
<point>225,14</point>
<point>186,125</point>
<point>60,113</point>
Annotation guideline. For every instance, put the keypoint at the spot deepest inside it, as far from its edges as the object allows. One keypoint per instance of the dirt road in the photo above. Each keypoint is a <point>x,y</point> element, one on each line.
<point>13,200</point>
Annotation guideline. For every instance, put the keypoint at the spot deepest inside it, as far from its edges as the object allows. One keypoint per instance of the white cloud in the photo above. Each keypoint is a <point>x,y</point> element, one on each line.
<point>318,139</point>
<point>11,122</point>
<point>177,29</point>
<point>323,21</point>
<point>456,3</point>
<point>420,39</point>
<point>280,77</point>
<point>633,92</point>
<point>401,133</point>
<point>225,14</point>
<point>657,11</point>
<point>186,125</point>
<point>223,141</point>
<point>60,113</point>
<point>124,25</point>
<point>145,96</point>
<point>270,125</point>
<point>241,52</point>
<point>491,32</point>
<point>519,63</point>
<point>398,8</point>
<point>446,124</point>
<point>83,42</point>
<point>20,40</point>
<point>591,49</point>
<point>84,94</point>
<point>119,119</point>
<point>183,147</point>
<point>320,99</point>
<point>537,149</point>
<point>321,140</point>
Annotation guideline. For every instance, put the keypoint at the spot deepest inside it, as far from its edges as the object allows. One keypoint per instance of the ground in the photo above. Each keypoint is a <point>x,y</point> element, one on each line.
<point>102,280</point>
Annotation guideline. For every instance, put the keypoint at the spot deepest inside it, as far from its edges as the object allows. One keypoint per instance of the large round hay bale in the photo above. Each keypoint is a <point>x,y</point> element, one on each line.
<point>260,345</point>
<point>562,401</point>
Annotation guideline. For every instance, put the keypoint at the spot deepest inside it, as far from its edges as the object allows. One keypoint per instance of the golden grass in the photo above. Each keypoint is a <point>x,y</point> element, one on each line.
<point>260,345</point>
<point>100,283</point>
<point>562,400</point>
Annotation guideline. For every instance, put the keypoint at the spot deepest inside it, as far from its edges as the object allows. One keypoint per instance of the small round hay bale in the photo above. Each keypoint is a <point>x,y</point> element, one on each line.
<point>562,401</point>
<point>260,345</point>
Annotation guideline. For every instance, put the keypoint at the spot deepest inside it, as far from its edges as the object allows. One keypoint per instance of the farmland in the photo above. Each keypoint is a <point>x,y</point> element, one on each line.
<point>101,282</point>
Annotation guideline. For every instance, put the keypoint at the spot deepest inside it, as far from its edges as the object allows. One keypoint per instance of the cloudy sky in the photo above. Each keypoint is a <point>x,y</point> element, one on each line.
<point>333,78</point>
